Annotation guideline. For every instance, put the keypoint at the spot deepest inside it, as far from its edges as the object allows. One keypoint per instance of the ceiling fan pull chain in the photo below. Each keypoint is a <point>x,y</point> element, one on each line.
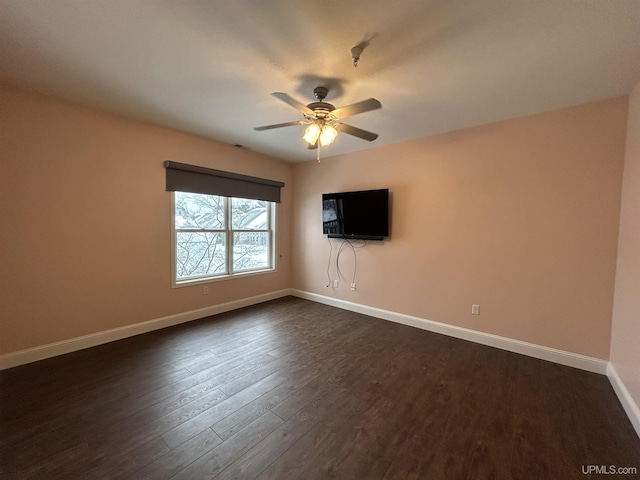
<point>318,152</point>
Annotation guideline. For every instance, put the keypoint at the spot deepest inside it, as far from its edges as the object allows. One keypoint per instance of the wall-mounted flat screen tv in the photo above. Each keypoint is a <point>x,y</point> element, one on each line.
<point>362,215</point>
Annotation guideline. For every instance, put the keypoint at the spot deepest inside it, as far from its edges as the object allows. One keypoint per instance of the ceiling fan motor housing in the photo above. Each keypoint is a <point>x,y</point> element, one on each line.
<point>321,110</point>
<point>320,107</point>
<point>320,92</point>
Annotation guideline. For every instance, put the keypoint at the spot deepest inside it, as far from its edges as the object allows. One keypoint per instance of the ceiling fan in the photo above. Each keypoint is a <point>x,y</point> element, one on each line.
<point>324,120</point>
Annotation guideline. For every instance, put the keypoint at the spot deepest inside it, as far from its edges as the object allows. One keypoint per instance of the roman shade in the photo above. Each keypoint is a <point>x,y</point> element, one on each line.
<point>182,177</point>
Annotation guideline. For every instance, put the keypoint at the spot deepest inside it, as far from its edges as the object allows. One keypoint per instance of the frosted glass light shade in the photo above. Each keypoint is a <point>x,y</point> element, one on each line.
<point>328,135</point>
<point>312,133</point>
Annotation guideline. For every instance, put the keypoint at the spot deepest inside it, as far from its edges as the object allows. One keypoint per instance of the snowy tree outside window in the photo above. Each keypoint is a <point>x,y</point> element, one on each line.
<point>218,236</point>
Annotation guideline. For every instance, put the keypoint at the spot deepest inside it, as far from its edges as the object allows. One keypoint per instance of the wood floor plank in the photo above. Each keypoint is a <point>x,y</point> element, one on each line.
<point>364,441</point>
<point>220,410</point>
<point>606,440</point>
<point>329,344</point>
<point>565,434</point>
<point>292,389</point>
<point>252,463</point>
<point>176,459</point>
<point>492,451</point>
<point>361,396</point>
<point>531,440</point>
<point>127,435</point>
<point>229,425</point>
<point>215,461</point>
<point>412,446</point>
<point>345,371</point>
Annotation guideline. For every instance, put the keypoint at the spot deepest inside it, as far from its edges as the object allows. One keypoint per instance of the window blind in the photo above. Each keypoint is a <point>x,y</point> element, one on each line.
<point>182,177</point>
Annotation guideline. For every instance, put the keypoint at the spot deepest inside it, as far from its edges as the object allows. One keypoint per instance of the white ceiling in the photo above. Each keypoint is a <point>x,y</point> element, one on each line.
<point>208,67</point>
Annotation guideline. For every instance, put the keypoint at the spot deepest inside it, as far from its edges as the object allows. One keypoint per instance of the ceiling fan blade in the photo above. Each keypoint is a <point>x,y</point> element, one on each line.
<point>279,125</point>
<point>355,108</point>
<point>293,102</point>
<point>356,132</point>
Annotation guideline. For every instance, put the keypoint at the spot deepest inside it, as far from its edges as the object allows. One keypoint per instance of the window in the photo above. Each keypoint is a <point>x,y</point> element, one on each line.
<point>223,222</point>
<point>218,237</point>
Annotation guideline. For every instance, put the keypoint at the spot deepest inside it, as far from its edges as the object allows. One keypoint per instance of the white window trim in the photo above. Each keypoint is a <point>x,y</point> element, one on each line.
<point>272,232</point>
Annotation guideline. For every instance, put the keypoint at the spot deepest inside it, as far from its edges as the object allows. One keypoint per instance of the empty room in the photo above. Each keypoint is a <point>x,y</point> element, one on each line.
<point>320,240</point>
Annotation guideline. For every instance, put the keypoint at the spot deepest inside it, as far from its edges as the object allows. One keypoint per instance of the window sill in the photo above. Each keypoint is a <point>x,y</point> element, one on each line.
<point>221,278</point>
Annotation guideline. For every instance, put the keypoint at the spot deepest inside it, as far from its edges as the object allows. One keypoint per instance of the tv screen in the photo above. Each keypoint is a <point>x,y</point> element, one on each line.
<point>356,215</point>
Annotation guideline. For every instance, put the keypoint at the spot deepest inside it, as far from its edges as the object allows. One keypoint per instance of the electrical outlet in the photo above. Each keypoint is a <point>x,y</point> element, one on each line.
<point>475,309</point>
<point>205,290</point>
<point>353,286</point>
<point>335,284</point>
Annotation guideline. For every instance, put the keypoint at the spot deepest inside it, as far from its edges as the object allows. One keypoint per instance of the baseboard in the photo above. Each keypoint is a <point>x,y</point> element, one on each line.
<point>629,405</point>
<point>59,348</point>
<point>562,357</point>
<point>537,351</point>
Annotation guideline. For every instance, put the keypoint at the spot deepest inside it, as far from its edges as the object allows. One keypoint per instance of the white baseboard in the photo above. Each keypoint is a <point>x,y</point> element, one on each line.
<point>66,346</point>
<point>562,357</point>
<point>545,353</point>
<point>629,405</point>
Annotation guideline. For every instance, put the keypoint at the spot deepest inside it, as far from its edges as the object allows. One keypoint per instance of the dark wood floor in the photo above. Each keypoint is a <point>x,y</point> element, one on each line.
<point>292,389</point>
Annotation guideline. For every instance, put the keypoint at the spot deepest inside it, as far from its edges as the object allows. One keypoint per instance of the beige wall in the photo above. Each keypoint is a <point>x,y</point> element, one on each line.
<point>625,341</point>
<point>85,235</point>
<point>520,217</point>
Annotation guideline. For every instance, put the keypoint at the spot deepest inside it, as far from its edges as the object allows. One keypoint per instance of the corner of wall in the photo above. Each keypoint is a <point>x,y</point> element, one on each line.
<point>624,368</point>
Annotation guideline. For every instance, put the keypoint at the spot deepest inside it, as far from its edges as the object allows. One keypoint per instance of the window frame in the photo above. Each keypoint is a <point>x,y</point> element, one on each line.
<point>228,233</point>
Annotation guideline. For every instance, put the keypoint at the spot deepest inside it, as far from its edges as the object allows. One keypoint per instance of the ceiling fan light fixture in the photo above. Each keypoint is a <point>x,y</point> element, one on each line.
<point>312,133</point>
<point>328,135</point>
<point>323,120</point>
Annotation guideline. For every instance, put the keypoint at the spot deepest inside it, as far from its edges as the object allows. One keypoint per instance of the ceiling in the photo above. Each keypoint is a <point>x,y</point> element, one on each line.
<point>208,67</point>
